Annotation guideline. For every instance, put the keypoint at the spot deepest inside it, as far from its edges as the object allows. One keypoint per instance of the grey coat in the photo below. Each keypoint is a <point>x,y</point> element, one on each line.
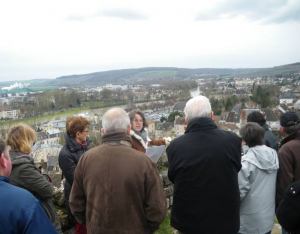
<point>26,175</point>
<point>257,184</point>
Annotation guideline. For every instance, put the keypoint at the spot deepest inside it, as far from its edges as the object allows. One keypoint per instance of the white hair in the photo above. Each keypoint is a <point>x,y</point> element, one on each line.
<point>115,120</point>
<point>197,107</point>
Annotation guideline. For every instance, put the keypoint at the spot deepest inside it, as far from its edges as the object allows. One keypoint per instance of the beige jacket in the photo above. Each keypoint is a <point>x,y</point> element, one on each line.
<point>117,189</point>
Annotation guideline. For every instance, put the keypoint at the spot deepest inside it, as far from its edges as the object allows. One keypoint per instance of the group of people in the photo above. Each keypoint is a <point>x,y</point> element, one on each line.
<point>26,196</point>
<point>219,189</point>
<point>219,186</point>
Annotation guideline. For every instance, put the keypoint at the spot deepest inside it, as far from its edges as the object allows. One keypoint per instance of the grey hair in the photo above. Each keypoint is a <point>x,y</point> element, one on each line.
<point>197,107</point>
<point>291,129</point>
<point>253,134</point>
<point>115,120</point>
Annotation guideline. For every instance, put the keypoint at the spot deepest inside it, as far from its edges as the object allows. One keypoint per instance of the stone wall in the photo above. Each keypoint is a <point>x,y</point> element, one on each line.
<point>168,188</point>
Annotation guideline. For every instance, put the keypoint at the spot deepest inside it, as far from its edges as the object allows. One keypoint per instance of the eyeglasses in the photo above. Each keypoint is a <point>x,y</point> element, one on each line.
<point>138,121</point>
<point>85,131</point>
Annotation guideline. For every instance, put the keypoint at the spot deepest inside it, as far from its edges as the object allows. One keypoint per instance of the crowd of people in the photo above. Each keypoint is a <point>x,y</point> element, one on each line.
<point>223,183</point>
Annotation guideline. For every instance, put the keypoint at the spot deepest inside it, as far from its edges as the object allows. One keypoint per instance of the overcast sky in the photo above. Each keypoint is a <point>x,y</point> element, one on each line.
<point>48,39</point>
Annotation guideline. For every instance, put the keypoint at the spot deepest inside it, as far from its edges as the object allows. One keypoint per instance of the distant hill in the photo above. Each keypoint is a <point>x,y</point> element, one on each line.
<point>283,70</point>
<point>158,74</point>
<point>155,74</point>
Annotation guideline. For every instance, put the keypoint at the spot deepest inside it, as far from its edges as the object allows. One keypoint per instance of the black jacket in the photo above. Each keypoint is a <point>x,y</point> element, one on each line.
<point>68,159</point>
<point>270,139</point>
<point>288,212</point>
<point>204,165</point>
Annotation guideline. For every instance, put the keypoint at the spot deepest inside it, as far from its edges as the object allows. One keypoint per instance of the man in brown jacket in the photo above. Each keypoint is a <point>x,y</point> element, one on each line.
<point>288,154</point>
<point>117,189</point>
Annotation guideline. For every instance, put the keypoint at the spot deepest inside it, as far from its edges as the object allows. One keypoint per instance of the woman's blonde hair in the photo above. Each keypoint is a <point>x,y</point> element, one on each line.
<point>21,138</point>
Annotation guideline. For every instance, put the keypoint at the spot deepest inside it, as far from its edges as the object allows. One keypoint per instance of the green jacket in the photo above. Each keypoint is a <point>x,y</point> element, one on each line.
<point>26,175</point>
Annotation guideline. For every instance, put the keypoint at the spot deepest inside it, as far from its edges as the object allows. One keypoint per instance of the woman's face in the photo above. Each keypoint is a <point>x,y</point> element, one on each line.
<point>137,123</point>
<point>81,136</point>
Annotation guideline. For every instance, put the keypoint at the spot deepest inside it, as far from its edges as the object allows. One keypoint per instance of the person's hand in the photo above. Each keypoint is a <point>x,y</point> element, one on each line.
<point>167,140</point>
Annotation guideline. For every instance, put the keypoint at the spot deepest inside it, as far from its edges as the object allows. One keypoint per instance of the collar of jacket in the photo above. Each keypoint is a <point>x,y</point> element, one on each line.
<point>266,127</point>
<point>139,138</point>
<point>121,137</point>
<point>19,157</point>
<point>73,145</point>
<point>4,178</point>
<point>290,137</point>
<point>200,124</point>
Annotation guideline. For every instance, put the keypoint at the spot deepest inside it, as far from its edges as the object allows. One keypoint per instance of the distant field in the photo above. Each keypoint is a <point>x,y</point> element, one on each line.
<point>29,89</point>
<point>44,118</point>
<point>44,88</point>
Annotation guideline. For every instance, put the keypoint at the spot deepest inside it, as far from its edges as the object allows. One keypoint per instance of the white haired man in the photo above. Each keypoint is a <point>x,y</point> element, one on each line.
<point>117,189</point>
<point>20,211</point>
<point>204,165</point>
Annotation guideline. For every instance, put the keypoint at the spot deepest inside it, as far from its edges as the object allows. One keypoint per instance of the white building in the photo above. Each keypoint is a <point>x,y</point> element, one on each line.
<point>8,113</point>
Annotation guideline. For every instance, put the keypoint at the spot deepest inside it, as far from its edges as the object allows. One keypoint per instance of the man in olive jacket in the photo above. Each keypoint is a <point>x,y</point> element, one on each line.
<point>117,189</point>
<point>204,165</point>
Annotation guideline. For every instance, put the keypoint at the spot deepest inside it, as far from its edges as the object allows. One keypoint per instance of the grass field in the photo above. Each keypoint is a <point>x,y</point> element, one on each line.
<point>41,119</point>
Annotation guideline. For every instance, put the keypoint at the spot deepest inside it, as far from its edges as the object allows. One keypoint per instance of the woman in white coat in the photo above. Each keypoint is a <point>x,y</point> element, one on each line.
<point>257,182</point>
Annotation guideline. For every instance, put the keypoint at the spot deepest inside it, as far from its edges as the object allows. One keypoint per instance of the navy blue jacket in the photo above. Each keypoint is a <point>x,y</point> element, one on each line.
<point>270,139</point>
<point>204,165</point>
<point>21,212</point>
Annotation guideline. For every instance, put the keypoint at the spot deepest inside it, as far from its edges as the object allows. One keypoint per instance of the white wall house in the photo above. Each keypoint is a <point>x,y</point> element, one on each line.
<point>9,113</point>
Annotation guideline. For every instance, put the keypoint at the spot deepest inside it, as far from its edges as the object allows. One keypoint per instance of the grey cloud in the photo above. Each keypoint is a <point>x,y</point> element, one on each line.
<point>122,14</point>
<point>267,11</point>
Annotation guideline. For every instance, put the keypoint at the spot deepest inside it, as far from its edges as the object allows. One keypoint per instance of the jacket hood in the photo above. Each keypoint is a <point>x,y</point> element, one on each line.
<point>262,157</point>
<point>200,124</point>
<point>20,158</point>
<point>73,145</point>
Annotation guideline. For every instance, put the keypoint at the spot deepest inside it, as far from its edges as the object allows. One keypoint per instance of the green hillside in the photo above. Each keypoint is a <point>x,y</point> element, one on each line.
<point>153,75</point>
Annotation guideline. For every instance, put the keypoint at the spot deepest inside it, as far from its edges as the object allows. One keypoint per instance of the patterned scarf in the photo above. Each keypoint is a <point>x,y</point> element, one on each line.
<point>143,134</point>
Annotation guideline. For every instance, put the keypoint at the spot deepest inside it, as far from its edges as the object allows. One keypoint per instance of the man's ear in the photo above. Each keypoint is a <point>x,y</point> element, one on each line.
<point>128,128</point>
<point>212,115</point>
<point>186,121</point>
<point>102,131</point>
<point>2,160</point>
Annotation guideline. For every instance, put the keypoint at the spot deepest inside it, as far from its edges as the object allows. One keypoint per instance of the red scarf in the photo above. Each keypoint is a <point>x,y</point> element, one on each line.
<point>84,144</point>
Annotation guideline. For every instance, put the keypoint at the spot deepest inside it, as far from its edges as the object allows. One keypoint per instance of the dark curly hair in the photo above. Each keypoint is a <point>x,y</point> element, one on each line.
<point>253,134</point>
<point>256,117</point>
